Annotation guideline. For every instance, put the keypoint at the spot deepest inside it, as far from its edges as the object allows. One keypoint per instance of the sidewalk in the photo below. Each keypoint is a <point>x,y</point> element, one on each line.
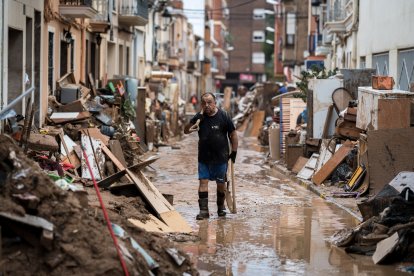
<point>347,204</point>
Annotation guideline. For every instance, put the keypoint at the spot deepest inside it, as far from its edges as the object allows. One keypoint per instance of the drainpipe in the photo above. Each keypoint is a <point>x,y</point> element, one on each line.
<point>354,30</point>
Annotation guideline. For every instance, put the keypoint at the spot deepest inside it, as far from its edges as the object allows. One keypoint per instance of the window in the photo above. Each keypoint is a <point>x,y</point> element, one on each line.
<point>258,36</point>
<point>405,69</point>
<point>290,28</point>
<point>380,63</point>
<point>362,63</point>
<point>259,14</point>
<point>258,58</point>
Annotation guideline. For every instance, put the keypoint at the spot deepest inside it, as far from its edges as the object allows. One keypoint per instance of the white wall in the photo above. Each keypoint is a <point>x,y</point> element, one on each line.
<point>385,26</point>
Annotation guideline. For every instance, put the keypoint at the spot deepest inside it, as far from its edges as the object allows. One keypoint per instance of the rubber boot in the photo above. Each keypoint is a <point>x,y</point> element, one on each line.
<point>204,214</point>
<point>221,210</point>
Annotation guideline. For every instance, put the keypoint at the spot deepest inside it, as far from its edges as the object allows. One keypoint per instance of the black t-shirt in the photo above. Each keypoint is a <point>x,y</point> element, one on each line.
<point>213,145</point>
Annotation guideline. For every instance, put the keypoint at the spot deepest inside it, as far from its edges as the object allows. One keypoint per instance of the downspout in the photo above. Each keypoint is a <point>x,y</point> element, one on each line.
<point>354,30</point>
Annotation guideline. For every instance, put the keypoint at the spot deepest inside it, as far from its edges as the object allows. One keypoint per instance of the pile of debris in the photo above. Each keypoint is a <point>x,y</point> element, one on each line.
<point>46,229</point>
<point>387,233</point>
<point>49,217</point>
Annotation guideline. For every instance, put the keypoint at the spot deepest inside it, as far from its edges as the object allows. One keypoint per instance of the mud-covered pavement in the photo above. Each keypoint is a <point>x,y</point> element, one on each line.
<point>280,227</point>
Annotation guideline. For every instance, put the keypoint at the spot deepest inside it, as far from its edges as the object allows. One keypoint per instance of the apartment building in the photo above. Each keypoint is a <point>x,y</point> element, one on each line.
<point>247,27</point>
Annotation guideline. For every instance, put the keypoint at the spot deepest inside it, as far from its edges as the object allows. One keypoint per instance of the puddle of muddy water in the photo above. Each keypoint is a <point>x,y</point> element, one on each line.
<point>280,227</point>
<point>281,239</point>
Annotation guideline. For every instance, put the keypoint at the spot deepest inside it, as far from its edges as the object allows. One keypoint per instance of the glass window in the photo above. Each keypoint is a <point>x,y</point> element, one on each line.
<point>258,58</point>
<point>259,14</point>
<point>405,69</point>
<point>290,28</point>
<point>258,36</point>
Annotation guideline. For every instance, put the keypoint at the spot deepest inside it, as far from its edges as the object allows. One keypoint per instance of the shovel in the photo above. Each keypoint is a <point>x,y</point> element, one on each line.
<point>231,195</point>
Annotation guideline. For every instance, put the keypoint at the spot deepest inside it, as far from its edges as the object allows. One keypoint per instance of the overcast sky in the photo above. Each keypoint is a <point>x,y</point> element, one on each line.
<point>193,9</point>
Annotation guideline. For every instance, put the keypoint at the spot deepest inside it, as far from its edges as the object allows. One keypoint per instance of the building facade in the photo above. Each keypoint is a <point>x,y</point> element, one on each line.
<point>247,27</point>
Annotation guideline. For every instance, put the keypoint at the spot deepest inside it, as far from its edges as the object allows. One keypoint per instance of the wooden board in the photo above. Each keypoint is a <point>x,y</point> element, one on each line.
<point>332,163</point>
<point>152,225</point>
<point>176,222</point>
<point>293,152</point>
<point>227,98</point>
<point>143,164</point>
<point>116,149</point>
<point>153,196</point>
<point>390,152</point>
<point>96,133</point>
<point>393,113</point>
<point>300,163</point>
<point>80,116</point>
<point>308,170</point>
<point>325,153</point>
<point>385,247</point>
<point>96,165</point>
<point>256,124</point>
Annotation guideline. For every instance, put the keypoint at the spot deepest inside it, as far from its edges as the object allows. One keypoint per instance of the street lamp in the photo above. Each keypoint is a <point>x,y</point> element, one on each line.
<point>268,41</point>
<point>270,29</point>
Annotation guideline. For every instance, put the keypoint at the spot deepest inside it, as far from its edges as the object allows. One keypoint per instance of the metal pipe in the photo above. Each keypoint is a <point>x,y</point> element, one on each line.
<point>17,100</point>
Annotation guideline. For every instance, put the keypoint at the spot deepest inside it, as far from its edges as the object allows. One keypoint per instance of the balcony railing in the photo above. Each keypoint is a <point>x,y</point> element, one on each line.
<point>133,12</point>
<point>339,14</point>
<point>77,8</point>
<point>100,23</point>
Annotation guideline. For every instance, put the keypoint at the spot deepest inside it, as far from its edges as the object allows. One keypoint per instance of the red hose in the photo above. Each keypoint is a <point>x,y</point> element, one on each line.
<point>108,222</point>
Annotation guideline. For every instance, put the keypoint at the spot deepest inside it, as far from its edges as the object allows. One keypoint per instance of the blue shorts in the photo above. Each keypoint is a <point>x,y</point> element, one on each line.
<point>213,172</point>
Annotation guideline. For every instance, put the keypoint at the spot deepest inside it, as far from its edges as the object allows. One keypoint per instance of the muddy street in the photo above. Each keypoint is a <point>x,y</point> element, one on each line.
<point>280,227</point>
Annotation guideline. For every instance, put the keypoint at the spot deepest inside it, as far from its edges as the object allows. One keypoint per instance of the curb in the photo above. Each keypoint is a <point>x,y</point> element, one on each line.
<point>313,188</point>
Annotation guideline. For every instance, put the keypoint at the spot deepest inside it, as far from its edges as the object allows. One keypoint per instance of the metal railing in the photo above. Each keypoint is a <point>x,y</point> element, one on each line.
<point>16,101</point>
<point>134,8</point>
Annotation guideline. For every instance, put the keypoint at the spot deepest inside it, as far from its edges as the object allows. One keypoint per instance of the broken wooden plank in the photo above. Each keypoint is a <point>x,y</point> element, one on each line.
<point>143,164</point>
<point>42,142</point>
<point>153,196</point>
<point>332,163</point>
<point>66,117</point>
<point>90,152</point>
<point>105,183</point>
<point>385,247</point>
<point>309,169</point>
<point>151,225</point>
<point>300,163</point>
<point>116,149</point>
<point>97,134</point>
<point>62,140</point>
<point>34,221</point>
<point>255,124</point>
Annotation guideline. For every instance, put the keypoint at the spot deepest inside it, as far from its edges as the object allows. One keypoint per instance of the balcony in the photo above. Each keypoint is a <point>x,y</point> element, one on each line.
<point>340,14</point>
<point>77,8</point>
<point>133,12</point>
<point>100,23</point>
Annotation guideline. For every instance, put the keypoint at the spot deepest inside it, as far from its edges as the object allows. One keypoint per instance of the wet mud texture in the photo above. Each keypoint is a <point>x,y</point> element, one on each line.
<point>82,244</point>
<point>279,229</point>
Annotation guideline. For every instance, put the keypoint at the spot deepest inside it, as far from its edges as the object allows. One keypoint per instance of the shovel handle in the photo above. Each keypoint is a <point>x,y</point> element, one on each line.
<point>233,187</point>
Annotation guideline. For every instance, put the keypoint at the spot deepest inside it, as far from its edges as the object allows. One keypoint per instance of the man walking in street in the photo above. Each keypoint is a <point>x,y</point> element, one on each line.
<point>215,128</point>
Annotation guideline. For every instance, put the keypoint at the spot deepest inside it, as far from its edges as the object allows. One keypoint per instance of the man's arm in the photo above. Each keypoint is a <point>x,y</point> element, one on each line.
<point>234,140</point>
<point>188,127</point>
